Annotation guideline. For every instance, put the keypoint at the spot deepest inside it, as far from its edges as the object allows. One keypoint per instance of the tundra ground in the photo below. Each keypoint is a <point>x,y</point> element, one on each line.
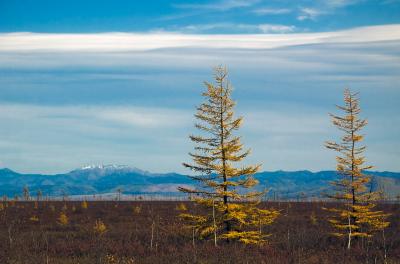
<point>150,232</point>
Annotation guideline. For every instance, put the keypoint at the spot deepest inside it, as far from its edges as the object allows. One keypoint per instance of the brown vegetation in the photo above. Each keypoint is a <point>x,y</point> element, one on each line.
<point>151,232</point>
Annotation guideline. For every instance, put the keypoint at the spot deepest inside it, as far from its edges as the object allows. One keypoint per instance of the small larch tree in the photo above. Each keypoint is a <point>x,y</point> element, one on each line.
<point>223,188</point>
<point>26,194</point>
<point>39,195</point>
<point>356,217</point>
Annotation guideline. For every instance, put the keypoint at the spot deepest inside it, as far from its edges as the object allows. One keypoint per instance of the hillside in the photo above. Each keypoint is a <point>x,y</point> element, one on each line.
<point>108,179</point>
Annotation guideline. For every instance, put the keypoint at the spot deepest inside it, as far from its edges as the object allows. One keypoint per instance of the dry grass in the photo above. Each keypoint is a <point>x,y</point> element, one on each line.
<point>299,236</point>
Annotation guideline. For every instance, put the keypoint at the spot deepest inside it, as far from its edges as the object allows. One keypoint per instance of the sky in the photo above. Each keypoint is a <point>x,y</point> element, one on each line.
<point>117,82</point>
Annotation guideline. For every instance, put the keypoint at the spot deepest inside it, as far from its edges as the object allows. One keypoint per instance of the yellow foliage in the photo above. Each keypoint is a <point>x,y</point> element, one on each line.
<point>338,234</point>
<point>360,234</point>
<point>194,220</point>
<point>356,217</point>
<point>217,151</point>
<point>237,215</point>
<point>1,207</point>
<point>34,218</point>
<point>112,259</point>
<point>313,218</point>
<point>99,227</point>
<point>84,205</point>
<point>246,237</point>
<point>206,231</point>
<point>137,209</point>
<point>63,219</point>
<point>181,207</point>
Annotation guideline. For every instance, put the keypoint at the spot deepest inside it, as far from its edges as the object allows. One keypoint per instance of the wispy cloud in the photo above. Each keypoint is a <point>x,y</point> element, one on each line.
<point>273,28</point>
<point>136,117</point>
<point>271,11</point>
<point>181,15</point>
<point>219,5</point>
<point>201,9</point>
<point>320,8</point>
<point>340,3</point>
<point>310,13</point>
<point>119,42</point>
<point>237,28</point>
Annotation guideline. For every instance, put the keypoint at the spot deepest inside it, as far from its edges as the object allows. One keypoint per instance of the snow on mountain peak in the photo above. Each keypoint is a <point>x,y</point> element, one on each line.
<point>109,166</point>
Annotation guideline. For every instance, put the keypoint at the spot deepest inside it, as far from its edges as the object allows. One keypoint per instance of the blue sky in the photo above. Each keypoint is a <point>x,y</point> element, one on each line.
<point>223,16</point>
<point>103,82</point>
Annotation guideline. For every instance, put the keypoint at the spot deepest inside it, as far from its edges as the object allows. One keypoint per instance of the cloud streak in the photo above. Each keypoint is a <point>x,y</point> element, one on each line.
<point>115,42</point>
<point>136,117</point>
<point>219,5</point>
<point>271,11</point>
<point>249,28</point>
<point>310,13</point>
<point>320,8</point>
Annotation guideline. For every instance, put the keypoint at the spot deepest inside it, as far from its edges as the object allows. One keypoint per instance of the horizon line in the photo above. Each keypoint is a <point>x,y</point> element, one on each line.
<point>173,172</point>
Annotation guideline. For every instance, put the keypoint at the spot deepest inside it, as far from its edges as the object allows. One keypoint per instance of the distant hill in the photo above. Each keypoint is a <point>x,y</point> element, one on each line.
<point>108,179</point>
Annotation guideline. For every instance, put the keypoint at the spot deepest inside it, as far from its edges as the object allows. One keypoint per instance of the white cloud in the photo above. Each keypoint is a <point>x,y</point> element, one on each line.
<point>310,13</point>
<point>138,117</point>
<point>271,11</point>
<point>324,7</point>
<point>219,5</point>
<point>340,3</point>
<point>273,28</point>
<point>199,28</point>
<point>249,28</point>
<point>148,118</point>
<point>120,42</point>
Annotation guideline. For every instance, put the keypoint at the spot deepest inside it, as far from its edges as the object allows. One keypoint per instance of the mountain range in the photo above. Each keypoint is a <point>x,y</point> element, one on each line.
<point>95,180</point>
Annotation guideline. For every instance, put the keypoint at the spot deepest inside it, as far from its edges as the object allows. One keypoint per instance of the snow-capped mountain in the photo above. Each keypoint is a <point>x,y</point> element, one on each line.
<point>109,167</point>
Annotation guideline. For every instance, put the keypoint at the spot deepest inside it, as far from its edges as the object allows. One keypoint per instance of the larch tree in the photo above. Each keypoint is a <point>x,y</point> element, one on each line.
<point>356,217</point>
<point>26,194</point>
<point>39,195</point>
<point>224,188</point>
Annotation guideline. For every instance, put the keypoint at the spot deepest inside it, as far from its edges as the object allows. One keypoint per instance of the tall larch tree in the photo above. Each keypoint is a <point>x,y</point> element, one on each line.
<point>225,190</point>
<point>356,217</point>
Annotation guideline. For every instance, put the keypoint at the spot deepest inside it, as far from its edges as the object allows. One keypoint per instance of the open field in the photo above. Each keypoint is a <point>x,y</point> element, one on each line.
<point>150,232</point>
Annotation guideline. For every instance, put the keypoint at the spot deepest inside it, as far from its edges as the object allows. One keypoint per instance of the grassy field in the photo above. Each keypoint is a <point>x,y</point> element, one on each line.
<point>150,232</point>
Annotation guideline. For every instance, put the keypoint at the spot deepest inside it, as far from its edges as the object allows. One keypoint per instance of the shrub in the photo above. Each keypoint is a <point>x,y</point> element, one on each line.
<point>63,219</point>
<point>34,218</point>
<point>99,227</point>
<point>84,205</point>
